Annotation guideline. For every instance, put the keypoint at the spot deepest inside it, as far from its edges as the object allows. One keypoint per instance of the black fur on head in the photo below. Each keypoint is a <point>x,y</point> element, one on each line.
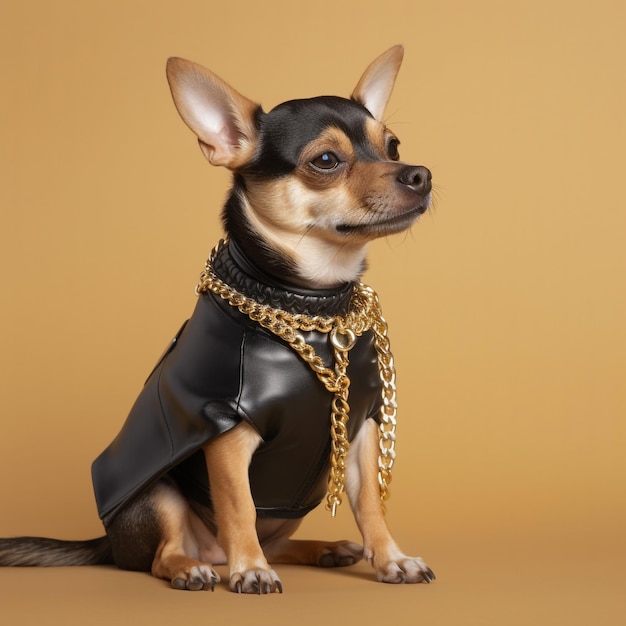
<point>286,129</point>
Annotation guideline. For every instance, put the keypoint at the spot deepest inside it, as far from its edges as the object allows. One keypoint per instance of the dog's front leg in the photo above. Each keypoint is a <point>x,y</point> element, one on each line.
<point>379,548</point>
<point>228,458</point>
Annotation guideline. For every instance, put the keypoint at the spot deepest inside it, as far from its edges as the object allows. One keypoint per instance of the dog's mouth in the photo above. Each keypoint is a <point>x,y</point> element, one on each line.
<point>386,225</point>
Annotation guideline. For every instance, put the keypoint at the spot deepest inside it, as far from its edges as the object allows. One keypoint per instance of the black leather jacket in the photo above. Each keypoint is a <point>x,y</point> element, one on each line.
<point>223,368</point>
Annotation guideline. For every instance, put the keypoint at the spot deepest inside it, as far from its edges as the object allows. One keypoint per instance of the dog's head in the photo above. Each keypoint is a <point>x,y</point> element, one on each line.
<point>315,179</point>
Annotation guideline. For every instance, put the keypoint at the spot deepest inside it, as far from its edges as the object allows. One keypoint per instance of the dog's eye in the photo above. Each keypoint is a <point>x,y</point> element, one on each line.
<point>326,161</point>
<point>392,149</point>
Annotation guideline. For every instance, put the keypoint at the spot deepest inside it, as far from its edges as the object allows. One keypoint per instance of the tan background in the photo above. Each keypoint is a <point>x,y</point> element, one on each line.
<point>506,304</point>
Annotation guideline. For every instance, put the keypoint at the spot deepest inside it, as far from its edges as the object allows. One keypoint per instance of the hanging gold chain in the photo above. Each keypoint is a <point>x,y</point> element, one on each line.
<point>364,314</point>
<point>388,409</point>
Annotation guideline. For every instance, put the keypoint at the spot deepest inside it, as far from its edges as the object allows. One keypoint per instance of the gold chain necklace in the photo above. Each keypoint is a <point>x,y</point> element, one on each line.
<point>364,314</point>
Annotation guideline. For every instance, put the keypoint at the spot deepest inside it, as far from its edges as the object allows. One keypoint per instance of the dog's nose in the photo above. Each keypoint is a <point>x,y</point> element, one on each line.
<point>418,178</point>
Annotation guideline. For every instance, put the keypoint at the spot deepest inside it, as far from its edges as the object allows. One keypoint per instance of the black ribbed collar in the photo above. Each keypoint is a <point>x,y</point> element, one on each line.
<point>234,268</point>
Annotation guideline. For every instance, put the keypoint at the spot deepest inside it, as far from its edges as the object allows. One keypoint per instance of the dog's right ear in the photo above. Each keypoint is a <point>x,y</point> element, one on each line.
<point>374,89</point>
<point>221,117</point>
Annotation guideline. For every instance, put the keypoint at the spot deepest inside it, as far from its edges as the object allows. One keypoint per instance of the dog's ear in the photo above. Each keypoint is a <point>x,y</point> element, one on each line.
<point>221,117</point>
<point>374,89</point>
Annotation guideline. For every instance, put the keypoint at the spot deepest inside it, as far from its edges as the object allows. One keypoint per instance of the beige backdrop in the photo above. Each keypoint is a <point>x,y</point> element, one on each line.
<point>507,303</point>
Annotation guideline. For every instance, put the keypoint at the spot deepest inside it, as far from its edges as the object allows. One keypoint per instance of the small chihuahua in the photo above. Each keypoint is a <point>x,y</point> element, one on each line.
<point>229,445</point>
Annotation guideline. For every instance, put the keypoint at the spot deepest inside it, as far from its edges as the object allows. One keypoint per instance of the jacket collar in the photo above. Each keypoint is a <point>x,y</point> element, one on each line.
<point>234,268</point>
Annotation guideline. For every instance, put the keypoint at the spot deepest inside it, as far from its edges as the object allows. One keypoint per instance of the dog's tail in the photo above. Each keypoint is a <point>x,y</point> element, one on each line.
<point>42,552</point>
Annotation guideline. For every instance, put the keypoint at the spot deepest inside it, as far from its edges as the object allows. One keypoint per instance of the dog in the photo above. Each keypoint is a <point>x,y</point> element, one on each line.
<point>229,444</point>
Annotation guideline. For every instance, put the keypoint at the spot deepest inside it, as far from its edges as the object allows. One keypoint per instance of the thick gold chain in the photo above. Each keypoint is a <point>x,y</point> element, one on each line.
<point>364,314</point>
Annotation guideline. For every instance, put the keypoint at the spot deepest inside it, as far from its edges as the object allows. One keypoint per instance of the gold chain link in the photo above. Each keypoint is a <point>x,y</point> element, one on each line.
<point>364,314</point>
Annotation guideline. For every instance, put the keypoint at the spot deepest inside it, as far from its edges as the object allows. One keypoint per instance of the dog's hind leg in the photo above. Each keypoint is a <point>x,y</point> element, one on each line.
<point>160,533</point>
<point>280,548</point>
<point>186,544</point>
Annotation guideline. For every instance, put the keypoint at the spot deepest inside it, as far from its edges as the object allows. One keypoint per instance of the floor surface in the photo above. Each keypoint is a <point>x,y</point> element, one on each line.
<point>488,581</point>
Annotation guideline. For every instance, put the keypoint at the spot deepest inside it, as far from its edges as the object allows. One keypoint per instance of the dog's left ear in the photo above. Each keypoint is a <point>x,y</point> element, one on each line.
<point>374,89</point>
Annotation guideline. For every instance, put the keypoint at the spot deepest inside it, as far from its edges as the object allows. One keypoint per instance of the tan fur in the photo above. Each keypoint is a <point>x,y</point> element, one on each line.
<point>378,135</point>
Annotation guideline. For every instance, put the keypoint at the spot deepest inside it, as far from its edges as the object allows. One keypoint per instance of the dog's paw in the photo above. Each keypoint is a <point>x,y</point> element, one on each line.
<point>340,554</point>
<point>196,578</point>
<point>405,570</point>
<point>258,581</point>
